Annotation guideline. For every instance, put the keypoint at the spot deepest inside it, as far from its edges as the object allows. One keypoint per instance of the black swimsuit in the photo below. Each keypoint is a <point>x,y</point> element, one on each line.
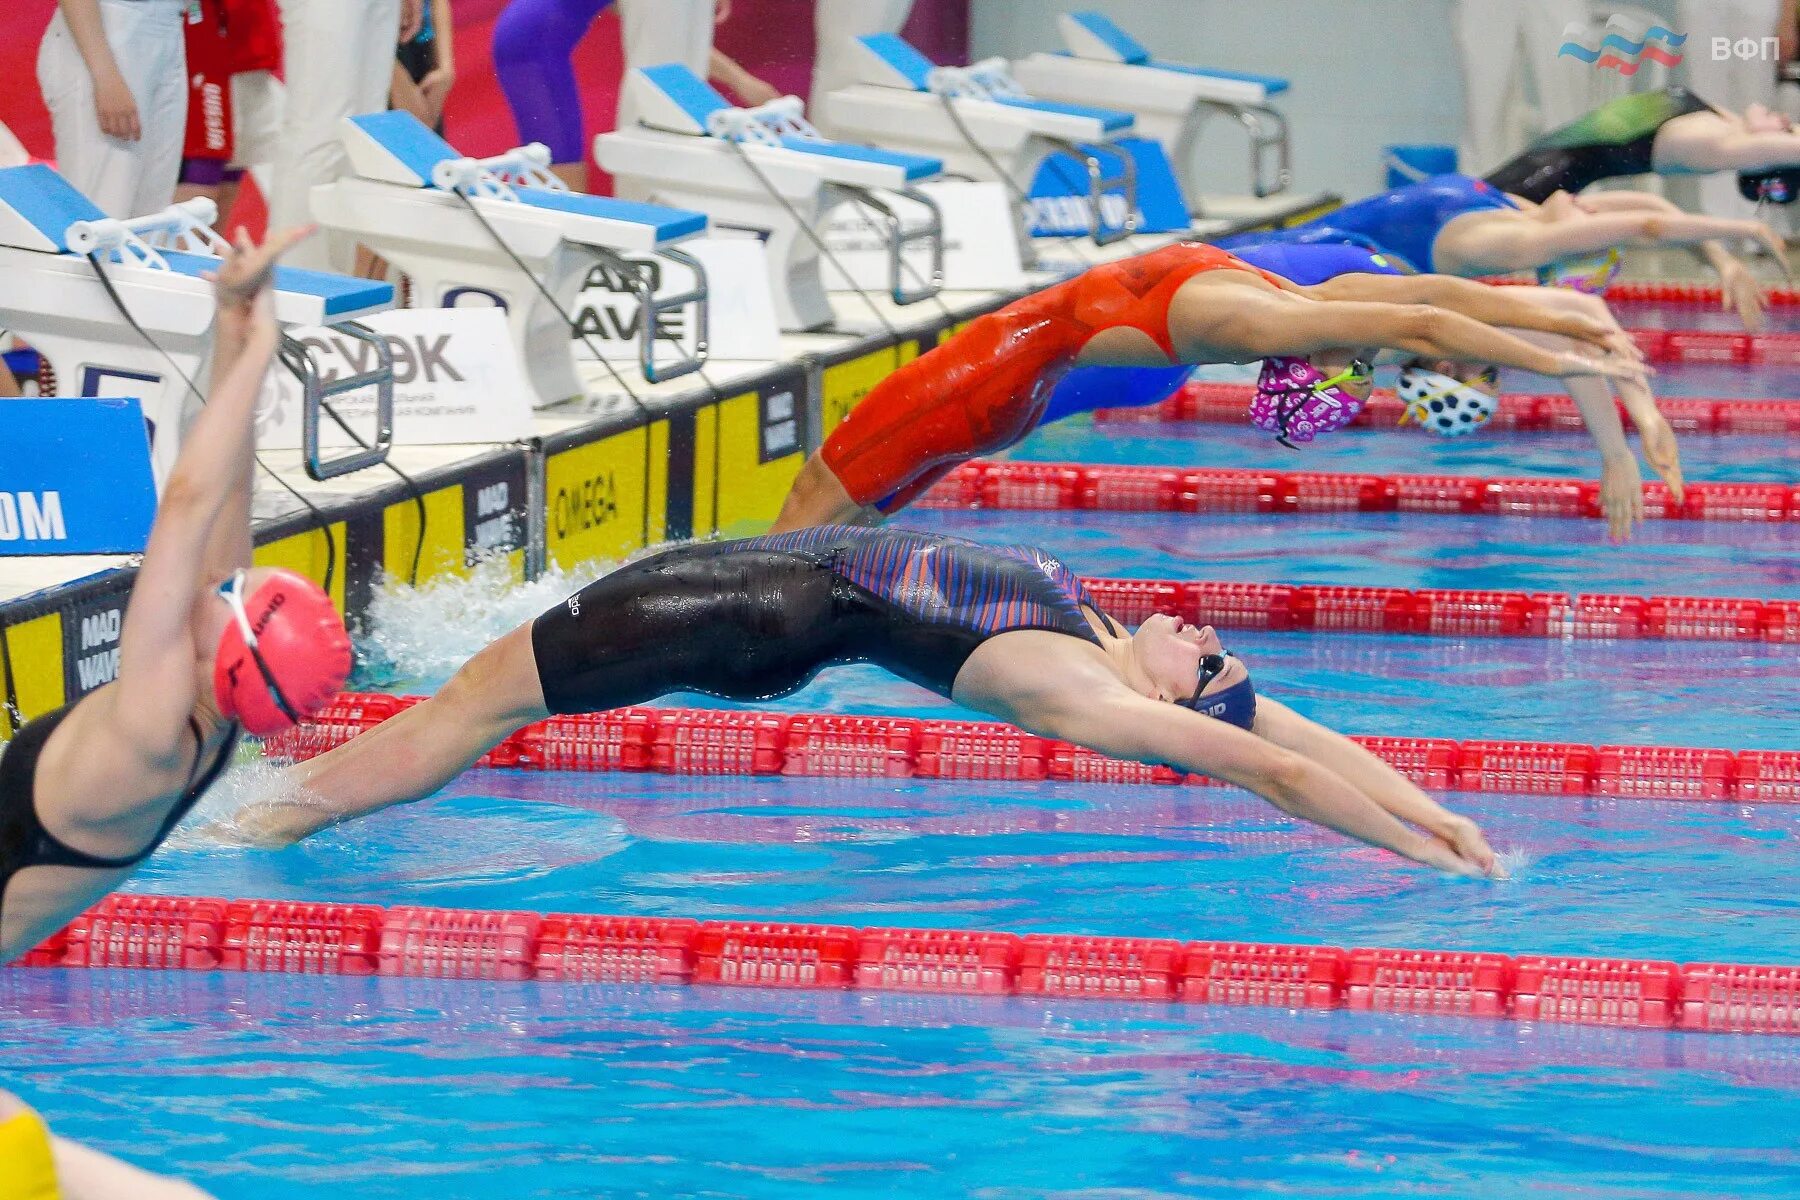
<point>24,842</point>
<point>1615,140</point>
<point>756,619</point>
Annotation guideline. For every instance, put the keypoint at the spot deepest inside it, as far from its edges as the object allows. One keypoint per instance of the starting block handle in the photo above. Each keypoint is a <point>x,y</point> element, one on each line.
<point>528,165</point>
<point>652,322</point>
<point>184,226</point>
<point>1267,130</point>
<point>297,357</point>
<point>1100,183</point>
<point>900,236</point>
<point>651,311</point>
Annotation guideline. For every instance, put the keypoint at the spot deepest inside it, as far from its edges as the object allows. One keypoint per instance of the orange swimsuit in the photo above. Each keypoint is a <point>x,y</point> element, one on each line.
<point>986,388</point>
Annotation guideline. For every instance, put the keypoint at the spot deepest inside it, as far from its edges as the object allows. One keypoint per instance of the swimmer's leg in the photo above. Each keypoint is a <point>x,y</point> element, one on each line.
<point>414,753</point>
<point>817,498</point>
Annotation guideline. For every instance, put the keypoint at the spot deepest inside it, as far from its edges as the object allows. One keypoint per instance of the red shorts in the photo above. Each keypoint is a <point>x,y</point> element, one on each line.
<point>231,37</point>
<point>986,388</point>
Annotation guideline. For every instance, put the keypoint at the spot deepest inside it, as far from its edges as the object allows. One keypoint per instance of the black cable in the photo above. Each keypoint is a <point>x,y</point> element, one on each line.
<point>804,225</point>
<point>318,514</point>
<point>412,487</point>
<point>621,263</point>
<point>812,235</point>
<point>862,211</point>
<point>643,409</point>
<point>1018,192</point>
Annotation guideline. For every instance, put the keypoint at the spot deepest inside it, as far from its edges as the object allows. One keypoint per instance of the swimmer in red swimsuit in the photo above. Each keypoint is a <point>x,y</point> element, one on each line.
<point>984,388</point>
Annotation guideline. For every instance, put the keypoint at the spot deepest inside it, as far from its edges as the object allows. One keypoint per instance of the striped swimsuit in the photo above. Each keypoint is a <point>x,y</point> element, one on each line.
<point>758,618</point>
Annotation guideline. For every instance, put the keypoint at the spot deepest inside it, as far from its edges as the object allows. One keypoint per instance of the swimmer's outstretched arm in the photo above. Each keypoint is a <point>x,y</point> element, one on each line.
<point>1264,324</point>
<point>1741,291</point>
<point>1479,301</point>
<point>1053,686</point>
<point>1520,245</point>
<point>1375,778</point>
<point>154,693</point>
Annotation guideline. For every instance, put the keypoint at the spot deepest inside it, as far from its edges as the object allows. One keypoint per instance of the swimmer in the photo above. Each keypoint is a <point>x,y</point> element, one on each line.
<point>1457,225</point>
<point>210,647</point>
<point>1666,132</point>
<point>987,387</point>
<point>40,1166</point>
<point>1445,396</point>
<point>1005,631</point>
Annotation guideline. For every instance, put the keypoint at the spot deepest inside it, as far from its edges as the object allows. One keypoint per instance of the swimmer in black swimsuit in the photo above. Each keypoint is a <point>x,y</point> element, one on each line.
<point>1668,132</point>
<point>89,790</point>
<point>1010,632</point>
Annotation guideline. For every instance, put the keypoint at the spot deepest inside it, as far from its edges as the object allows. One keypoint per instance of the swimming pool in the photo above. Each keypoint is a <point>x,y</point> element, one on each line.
<point>272,1086</point>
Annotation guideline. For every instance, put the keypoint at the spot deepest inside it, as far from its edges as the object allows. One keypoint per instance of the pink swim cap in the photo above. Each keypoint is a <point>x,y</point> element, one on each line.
<point>283,656</point>
<point>1291,404</point>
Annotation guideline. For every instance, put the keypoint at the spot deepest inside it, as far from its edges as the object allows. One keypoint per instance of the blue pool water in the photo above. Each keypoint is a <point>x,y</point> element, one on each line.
<point>283,1088</point>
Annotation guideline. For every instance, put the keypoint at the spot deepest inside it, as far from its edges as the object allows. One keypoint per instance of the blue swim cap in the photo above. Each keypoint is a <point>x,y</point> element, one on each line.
<point>1236,705</point>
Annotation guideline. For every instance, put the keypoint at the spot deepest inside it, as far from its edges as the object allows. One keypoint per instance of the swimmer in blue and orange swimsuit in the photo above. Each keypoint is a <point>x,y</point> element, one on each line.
<point>1006,631</point>
<point>1190,303</point>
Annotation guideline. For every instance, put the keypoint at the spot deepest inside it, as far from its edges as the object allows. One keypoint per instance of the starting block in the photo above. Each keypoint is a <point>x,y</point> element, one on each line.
<point>767,170</point>
<point>503,231</point>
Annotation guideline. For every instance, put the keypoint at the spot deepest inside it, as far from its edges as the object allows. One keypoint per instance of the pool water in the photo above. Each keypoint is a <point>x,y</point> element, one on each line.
<point>277,1087</point>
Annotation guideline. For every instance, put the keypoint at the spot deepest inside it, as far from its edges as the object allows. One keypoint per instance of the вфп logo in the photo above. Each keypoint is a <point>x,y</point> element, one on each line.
<point>1623,45</point>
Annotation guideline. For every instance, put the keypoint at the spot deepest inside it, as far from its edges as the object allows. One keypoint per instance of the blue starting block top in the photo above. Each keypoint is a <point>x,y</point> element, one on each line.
<point>37,206</point>
<point>690,93</point>
<point>1133,53</point>
<point>913,166</point>
<point>1110,120</point>
<point>902,56</point>
<point>699,100</point>
<point>416,150</point>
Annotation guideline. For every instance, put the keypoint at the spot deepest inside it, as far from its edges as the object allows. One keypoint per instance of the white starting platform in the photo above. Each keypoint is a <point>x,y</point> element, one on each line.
<point>982,124</point>
<point>121,308</point>
<point>1173,102</point>
<point>767,171</point>
<point>503,231</point>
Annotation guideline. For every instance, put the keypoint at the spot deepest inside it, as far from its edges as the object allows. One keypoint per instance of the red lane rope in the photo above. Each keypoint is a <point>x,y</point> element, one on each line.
<point>1526,412</point>
<point>1652,292</point>
<point>1451,612</point>
<point>1052,486</point>
<point>1662,292</point>
<point>316,938</point>
<point>682,741</point>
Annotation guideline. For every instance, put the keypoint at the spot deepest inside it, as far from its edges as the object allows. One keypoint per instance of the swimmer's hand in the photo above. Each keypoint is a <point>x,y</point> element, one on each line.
<point>1604,336</point>
<point>1611,365</point>
<point>1662,452</point>
<point>1471,845</point>
<point>1740,293</point>
<point>1771,241</point>
<point>1435,852</point>
<point>1621,496</point>
<point>247,269</point>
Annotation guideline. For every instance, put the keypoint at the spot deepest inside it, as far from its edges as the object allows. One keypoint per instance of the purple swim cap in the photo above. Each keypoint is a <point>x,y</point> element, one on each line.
<point>1296,402</point>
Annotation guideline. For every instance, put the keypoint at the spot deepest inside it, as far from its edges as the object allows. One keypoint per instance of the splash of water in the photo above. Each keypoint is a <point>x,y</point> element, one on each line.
<point>1514,862</point>
<point>425,633</point>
